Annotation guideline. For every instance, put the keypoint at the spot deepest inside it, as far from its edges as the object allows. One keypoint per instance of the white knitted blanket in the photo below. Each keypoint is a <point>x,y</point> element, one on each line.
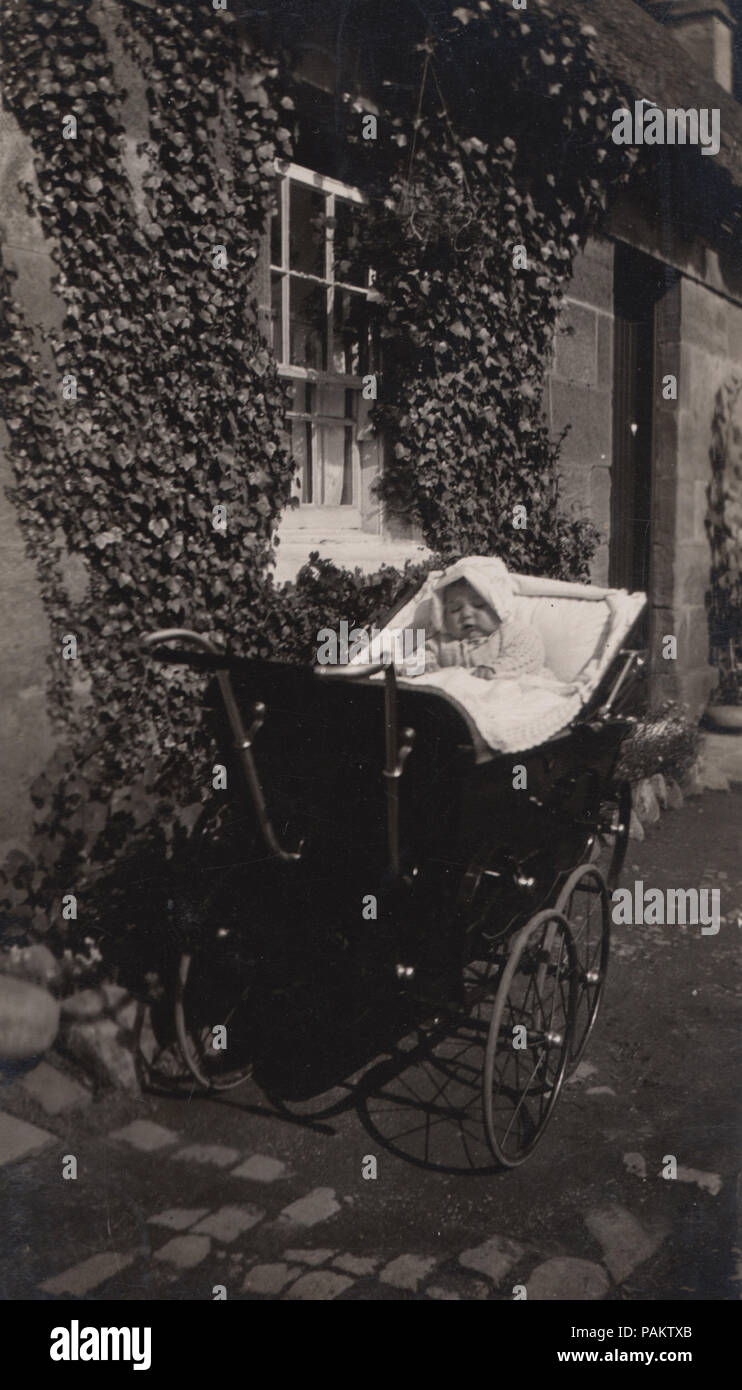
<point>507,714</point>
<point>513,714</point>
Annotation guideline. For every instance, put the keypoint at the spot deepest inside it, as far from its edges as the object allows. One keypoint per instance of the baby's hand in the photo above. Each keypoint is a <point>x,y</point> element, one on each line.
<point>485,673</point>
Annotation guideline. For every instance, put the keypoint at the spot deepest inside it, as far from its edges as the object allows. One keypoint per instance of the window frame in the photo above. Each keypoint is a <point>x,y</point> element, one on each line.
<point>346,514</point>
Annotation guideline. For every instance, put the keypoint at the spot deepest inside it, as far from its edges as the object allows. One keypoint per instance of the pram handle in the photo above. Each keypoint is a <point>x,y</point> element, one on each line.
<point>243,738</point>
<point>180,634</point>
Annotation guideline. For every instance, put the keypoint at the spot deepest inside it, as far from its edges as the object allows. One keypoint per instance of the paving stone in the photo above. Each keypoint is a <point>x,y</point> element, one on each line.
<point>565,1278</point>
<point>317,1206</point>
<point>635,1163</point>
<point>357,1264</point>
<point>54,1091</point>
<point>260,1168</point>
<point>624,1242</point>
<point>228,1223</point>
<point>269,1278</point>
<point>494,1258</point>
<point>321,1284</point>
<point>80,1279</point>
<point>582,1072</point>
<point>18,1139</point>
<point>179,1218</point>
<point>309,1257</point>
<point>145,1135</point>
<point>711,1182</point>
<point>184,1251</point>
<point>407,1271</point>
<point>217,1154</point>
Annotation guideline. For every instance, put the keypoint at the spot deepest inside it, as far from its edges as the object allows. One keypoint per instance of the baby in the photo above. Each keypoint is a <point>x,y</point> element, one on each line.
<point>482,636</point>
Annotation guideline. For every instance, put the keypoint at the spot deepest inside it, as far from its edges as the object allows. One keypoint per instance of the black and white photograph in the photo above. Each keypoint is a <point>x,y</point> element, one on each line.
<point>370,666</point>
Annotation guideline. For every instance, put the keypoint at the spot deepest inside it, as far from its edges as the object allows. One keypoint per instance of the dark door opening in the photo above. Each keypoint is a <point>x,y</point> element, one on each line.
<point>639,282</point>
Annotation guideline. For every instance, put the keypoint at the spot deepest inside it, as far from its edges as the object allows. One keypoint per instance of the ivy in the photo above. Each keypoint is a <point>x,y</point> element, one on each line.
<point>178,406</point>
<point>466,329</point>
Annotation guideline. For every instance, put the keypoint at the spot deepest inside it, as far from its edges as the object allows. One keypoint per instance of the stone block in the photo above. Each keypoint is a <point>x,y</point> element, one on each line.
<point>600,499</point>
<point>184,1252</point>
<point>84,1005</point>
<point>408,1271</point>
<point>624,1242</point>
<point>226,1224</point>
<point>97,1047</point>
<point>600,566</point>
<point>35,963</point>
<point>592,274</point>
<point>734,332</point>
<point>576,345</point>
<point>82,1278</point>
<point>18,1139</point>
<point>494,1258</point>
<point>588,412</point>
<point>693,638</point>
<point>321,1285</point>
<point>317,1206</point>
<point>54,1091</point>
<point>145,1135</point>
<point>693,574</point>
<point>29,1019</point>
<point>567,1278</point>
<point>703,317</point>
<point>605,350</point>
<point>269,1279</point>
<point>260,1168</point>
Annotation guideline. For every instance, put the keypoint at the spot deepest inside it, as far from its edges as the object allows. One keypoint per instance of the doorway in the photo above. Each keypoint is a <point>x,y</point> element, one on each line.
<point>639,283</point>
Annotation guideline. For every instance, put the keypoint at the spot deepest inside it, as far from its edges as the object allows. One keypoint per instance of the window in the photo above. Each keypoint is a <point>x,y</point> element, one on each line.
<point>319,292</point>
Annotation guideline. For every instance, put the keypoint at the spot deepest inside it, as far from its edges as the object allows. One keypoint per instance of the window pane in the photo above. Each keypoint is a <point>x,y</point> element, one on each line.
<point>276,317</point>
<point>306,230</point>
<point>350,266</point>
<point>276,225</point>
<point>332,400</point>
<point>351,335</point>
<point>301,448</point>
<point>308,306</point>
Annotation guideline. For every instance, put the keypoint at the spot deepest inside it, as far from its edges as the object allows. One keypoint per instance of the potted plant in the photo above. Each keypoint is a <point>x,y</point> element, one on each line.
<point>725,708</point>
<point>724,528</point>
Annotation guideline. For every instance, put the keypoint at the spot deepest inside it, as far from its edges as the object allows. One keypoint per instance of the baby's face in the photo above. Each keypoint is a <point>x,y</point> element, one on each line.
<point>467,613</point>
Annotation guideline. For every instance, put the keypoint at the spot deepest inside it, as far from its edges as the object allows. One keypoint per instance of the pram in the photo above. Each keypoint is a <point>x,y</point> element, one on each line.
<point>477,880</point>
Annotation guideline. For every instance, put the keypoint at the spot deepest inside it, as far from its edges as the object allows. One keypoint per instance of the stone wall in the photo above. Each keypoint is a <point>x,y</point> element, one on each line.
<point>25,736</point>
<point>701,343</point>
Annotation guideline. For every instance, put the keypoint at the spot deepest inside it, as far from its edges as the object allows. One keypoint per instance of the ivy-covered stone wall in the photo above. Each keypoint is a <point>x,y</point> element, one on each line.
<point>143,409</point>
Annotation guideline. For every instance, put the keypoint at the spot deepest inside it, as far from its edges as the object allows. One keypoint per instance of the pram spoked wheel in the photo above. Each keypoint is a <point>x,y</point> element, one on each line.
<point>530,1037</point>
<point>584,902</point>
<point>214,1014</point>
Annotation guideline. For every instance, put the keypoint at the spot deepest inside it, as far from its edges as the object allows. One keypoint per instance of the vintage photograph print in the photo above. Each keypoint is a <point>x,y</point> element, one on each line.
<point>370,662</point>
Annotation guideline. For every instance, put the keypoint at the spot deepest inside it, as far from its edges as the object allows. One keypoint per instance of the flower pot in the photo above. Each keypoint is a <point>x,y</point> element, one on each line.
<point>727,717</point>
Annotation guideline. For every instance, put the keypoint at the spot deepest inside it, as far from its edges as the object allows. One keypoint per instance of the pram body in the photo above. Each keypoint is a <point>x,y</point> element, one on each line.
<point>483,877</point>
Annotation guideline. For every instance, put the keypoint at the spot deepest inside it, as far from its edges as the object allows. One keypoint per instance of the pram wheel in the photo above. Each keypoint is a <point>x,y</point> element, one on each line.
<point>611,841</point>
<point>214,1014</point>
<point>530,1035</point>
<point>584,902</point>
